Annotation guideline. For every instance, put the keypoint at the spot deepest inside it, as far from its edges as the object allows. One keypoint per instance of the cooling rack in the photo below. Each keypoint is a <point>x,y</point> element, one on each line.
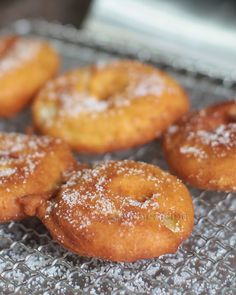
<point>32,263</point>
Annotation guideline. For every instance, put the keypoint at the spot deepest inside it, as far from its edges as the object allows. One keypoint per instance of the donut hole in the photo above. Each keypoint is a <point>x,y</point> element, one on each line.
<point>133,187</point>
<point>107,83</point>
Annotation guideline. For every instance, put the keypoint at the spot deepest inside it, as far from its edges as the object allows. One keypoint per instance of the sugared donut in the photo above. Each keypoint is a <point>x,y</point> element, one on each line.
<point>107,107</point>
<point>25,65</point>
<point>30,167</point>
<point>120,211</point>
<point>201,147</point>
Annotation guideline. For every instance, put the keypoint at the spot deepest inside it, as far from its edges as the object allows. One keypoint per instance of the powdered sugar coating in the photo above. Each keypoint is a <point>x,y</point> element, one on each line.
<point>173,129</point>
<point>65,98</point>
<point>192,150</point>
<point>211,131</point>
<point>92,195</point>
<point>201,149</point>
<point>6,172</point>
<point>20,155</point>
<point>77,103</point>
<point>120,211</point>
<point>23,50</point>
<point>222,135</point>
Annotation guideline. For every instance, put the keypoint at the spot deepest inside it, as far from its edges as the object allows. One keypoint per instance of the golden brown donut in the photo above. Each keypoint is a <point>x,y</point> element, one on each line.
<point>201,147</point>
<point>120,211</point>
<point>25,65</point>
<point>109,107</point>
<point>30,168</point>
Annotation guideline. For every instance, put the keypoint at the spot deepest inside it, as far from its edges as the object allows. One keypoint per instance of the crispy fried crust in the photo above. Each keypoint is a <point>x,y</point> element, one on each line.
<point>201,147</point>
<point>120,211</point>
<point>30,169</point>
<point>109,107</point>
<point>25,65</point>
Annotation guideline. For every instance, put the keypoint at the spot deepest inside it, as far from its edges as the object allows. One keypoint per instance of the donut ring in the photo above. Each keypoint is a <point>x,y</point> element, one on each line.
<point>204,143</point>
<point>25,65</point>
<point>120,211</point>
<point>109,107</point>
<point>30,167</point>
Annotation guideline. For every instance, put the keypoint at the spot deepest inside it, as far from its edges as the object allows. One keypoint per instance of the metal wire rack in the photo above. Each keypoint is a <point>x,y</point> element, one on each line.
<point>32,263</point>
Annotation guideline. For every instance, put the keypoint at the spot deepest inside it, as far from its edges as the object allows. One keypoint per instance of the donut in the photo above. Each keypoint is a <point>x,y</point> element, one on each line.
<point>30,168</point>
<point>120,211</point>
<point>201,147</point>
<point>111,106</point>
<point>25,65</point>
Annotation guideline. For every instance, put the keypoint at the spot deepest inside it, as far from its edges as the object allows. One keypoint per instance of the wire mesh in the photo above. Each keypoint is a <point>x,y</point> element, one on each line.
<point>32,263</point>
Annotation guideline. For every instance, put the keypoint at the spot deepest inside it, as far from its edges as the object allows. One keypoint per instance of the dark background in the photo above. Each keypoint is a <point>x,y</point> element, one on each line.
<point>74,11</point>
<point>64,11</point>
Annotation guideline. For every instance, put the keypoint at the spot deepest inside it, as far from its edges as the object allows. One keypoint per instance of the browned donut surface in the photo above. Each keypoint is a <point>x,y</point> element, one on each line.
<point>25,65</point>
<point>109,107</point>
<point>201,147</point>
<point>120,211</point>
<point>30,168</point>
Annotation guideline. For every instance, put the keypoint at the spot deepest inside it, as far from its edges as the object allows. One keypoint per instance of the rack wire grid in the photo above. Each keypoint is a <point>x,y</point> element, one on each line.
<point>32,263</point>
